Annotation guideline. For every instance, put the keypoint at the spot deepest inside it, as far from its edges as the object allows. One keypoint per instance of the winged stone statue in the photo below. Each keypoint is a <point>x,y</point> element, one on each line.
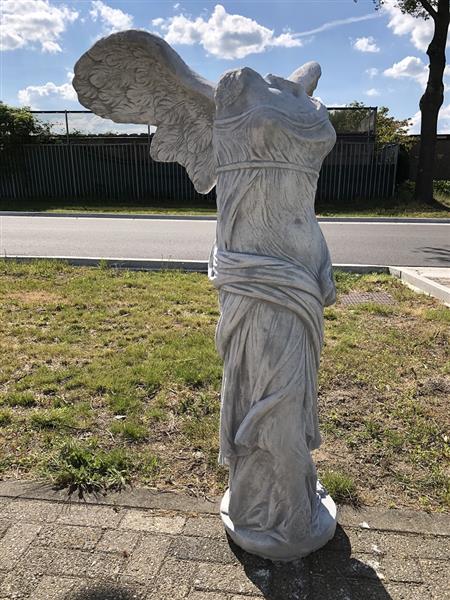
<point>261,141</point>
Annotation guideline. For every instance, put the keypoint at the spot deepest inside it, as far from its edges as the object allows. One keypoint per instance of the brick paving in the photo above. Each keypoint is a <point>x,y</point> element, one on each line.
<point>144,545</point>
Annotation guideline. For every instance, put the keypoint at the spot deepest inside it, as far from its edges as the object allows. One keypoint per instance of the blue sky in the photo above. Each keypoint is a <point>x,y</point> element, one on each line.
<point>377,57</point>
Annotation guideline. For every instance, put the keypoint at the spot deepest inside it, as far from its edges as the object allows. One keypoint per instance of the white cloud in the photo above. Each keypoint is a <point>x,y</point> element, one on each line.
<point>223,34</point>
<point>372,92</point>
<point>443,121</point>
<point>235,36</point>
<point>372,72</point>
<point>366,44</point>
<point>31,95</point>
<point>419,30</point>
<point>410,67</point>
<point>113,19</point>
<point>28,22</point>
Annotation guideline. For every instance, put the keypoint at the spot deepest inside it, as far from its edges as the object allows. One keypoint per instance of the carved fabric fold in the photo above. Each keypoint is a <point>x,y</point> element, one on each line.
<point>266,301</point>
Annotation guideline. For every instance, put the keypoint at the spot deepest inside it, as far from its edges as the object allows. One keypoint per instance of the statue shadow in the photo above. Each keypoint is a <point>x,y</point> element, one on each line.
<point>329,574</point>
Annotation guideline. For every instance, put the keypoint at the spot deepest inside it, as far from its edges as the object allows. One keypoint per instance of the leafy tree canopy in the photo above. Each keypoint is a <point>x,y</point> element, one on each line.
<point>416,8</point>
<point>17,124</point>
<point>388,129</point>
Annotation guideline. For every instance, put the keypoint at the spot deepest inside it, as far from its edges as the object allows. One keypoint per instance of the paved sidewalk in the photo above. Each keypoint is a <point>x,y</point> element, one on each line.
<point>430,280</point>
<point>160,546</point>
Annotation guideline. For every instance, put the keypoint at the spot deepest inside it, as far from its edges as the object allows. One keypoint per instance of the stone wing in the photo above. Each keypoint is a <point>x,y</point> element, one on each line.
<point>136,77</point>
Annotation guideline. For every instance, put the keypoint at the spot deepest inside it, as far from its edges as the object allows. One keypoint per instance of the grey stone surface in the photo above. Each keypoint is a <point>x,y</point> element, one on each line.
<point>437,574</point>
<point>211,596</point>
<point>107,589</point>
<point>224,578</point>
<point>73,537</point>
<point>147,558</point>
<point>118,541</point>
<point>53,588</point>
<point>31,511</point>
<point>175,578</point>
<point>15,542</point>
<point>406,521</point>
<point>198,563</point>
<point>263,140</point>
<point>100,516</point>
<point>203,549</point>
<point>204,526</point>
<point>18,585</point>
<point>146,521</point>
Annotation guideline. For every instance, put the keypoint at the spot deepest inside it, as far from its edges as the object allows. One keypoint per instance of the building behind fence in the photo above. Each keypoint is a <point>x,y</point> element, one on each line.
<point>121,169</point>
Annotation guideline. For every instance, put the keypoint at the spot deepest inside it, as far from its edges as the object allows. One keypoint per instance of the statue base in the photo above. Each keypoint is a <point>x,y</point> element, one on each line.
<point>266,545</point>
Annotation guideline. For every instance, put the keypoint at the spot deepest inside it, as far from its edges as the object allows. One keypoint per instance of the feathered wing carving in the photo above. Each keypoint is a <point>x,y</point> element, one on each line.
<point>136,77</point>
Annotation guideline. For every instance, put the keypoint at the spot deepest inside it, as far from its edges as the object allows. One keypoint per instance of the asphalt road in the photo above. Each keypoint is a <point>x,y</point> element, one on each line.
<point>393,244</point>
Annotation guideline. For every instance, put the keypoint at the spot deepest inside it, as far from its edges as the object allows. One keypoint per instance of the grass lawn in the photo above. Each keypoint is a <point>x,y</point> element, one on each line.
<point>384,208</point>
<point>111,377</point>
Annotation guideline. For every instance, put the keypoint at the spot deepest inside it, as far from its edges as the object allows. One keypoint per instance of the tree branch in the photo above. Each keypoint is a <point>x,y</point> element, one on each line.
<point>429,8</point>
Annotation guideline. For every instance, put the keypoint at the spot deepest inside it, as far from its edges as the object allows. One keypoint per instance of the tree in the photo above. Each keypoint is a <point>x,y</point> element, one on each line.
<point>388,129</point>
<point>19,124</point>
<point>433,97</point>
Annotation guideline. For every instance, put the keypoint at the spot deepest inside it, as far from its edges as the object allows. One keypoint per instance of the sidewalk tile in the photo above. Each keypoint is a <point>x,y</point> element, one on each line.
<point>326,586</point>
<point>337,564</point>
<point>37,560</point>
<point>55,561</point>
<point>107,589</point>
<point>399,545</point>
<point>147,557</point>
<point>419,546</point>
<point>437,577</point>
<point>73,537</point>
<point>223,578</point>
<point>398,591</point>
<point>371,590</point>
<point>104,564</point>
<point>18,585</point>
<point>212,596</point>
<point>396,520</point>
<point>361,565</point>
<point>14,543</point>
<point>240,597</point>
<point>174,579</point>
<point>204,526</point>
<point>85,514</point>
<point>115,540</point>
<point>32,511</point>
<point>4,524</point>
<point>146,521</point>
<point>202,549</point>
<point>53,588</point>
<point>402,569</point>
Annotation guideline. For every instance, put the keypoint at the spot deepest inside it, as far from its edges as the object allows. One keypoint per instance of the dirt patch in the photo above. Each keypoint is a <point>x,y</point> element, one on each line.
<point>35,297</point>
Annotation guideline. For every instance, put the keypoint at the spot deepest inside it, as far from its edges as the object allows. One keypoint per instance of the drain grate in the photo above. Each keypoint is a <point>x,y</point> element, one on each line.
<point>355,298</point>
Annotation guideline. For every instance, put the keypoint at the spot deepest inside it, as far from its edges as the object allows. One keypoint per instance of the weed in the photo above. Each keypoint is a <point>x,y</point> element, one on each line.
<point>23,399</point>
<point>122,404</point>
<point>340,486</point>
<point>5,417</point>
<point>84,468</point>
<point>130,430</point>
<point>56,418</point>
